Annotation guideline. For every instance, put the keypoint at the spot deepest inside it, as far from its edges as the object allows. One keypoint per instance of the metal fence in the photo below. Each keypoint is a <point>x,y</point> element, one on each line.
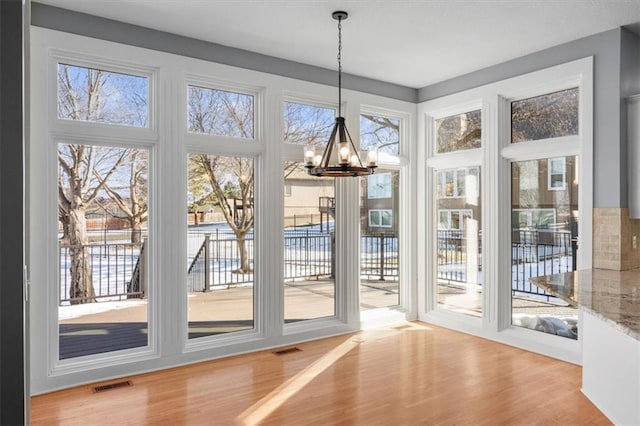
<point>379,257</point>
<point>217,263</point>
<point>454,252</point>
<point>111,265</point>
<point>213,260</point>
<point>536,253</point>
<point>308,254</point>
<point>533,253</point>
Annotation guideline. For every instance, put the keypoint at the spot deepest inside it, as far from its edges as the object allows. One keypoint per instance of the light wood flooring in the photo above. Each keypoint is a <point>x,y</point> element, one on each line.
<point>411,374</point>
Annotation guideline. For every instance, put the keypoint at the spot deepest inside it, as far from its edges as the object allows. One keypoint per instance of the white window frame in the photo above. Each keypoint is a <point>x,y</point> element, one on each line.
<point>403,218</point>
<point>169,143</point>
<point>51,130</point>
<point>495,158</point>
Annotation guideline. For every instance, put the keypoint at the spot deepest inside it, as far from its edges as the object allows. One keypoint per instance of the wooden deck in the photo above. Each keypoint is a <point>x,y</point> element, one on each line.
<point>210,313</point>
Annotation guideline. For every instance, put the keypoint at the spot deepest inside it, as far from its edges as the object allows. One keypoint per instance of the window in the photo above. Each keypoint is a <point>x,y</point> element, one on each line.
<point>307,124</point>
<point>458,241</point>
<point>309,245</point>
<point>556,174</point>
<point>453,219</point>
<point>458,132</point>
<point>544,232</point>
<point>379,185</point>
<point>220,113</point>
<point>102,239</point>
<point>220,255</point>
<point>380,241</point>
<point>458,183</point>
<point>380,133</point>
<point>100,96</point>
<point>544,117</point>
<point>381,218</point>
<point>533,218</point>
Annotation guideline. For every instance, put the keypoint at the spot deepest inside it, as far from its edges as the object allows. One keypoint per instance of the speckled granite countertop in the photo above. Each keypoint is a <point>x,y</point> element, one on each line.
<point>613,296</point>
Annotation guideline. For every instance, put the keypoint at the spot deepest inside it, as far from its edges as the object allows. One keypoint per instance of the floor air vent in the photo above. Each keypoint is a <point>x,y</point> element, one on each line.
<point>110,386</point>
<point>286,351</point>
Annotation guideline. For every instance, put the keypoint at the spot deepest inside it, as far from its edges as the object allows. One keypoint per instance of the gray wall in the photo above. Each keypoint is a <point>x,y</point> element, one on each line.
<point>610,168</point>
<point>106,29</point>
<point>629,85</point>
<point>12,379</point>
<point>611,50</point>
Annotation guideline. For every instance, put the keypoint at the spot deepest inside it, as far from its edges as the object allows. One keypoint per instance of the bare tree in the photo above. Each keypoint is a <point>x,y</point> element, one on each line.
<point>132,199</point>
<point>86,94</point>
<point>307,124</point>
<point>462,131</point>
<point>77,190</point>
<point>543,117</point>
<point>231,180</point>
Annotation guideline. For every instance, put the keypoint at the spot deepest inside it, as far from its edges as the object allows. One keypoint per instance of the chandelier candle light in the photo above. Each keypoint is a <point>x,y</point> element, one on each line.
<point>348,160</point>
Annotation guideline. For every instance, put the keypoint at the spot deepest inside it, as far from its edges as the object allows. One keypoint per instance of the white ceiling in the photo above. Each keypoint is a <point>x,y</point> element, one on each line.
<point>412,43</point>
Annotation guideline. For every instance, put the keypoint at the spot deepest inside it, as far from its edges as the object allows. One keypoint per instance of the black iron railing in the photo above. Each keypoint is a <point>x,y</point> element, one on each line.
<point>109,271</point>
<point>533,253</point>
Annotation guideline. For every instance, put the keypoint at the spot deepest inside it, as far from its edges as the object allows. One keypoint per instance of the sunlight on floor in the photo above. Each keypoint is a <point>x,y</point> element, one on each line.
<point>263,408</point>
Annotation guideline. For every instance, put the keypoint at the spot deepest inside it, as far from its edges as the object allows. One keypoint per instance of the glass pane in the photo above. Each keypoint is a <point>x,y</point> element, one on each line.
<point>380,133</point>
<point>544,242</point>
<point>307,124</point>
<point>220,244</point>
<point>220,113</point>
<point>547,116</point>
<point>459,272</point>
<point>98,96</point>
<point>309,245</point>
<point>102,240</point>
<point>379,249</point>
<point>379,185</point>
<point>458,132</point>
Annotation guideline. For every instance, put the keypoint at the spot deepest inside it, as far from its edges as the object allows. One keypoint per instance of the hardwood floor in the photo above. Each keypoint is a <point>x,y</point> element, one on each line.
<point>404,375</point>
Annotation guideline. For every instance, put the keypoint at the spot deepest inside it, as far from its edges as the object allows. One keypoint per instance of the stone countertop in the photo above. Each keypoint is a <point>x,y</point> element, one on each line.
<point>613,296</point>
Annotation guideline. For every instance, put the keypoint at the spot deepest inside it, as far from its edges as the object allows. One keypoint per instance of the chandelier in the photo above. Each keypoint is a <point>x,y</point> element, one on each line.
<point>345,161</point>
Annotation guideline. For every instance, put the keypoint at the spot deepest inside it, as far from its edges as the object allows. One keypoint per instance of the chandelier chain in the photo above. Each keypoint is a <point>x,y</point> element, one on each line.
<point>339,67</point>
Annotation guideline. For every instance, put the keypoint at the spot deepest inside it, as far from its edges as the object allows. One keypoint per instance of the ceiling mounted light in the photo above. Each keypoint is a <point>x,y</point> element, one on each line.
<point>345,160</point>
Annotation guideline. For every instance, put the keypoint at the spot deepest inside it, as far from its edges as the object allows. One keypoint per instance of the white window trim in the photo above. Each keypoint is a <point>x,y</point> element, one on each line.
<point>169,143</point>
<point>124,66</point>
<point>495,156</point>
<point>405,220</point>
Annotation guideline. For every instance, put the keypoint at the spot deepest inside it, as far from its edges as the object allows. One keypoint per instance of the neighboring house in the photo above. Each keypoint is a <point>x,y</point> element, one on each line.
<point>379,203</point>
<point>545,194</point>
<point>307,199</point>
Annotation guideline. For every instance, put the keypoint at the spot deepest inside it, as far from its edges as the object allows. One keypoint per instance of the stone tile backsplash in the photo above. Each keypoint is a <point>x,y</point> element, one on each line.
<point>613,233</point>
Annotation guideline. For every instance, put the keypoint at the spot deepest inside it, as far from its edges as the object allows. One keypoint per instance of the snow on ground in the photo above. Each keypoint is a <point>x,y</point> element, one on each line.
<point>75,311</point>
